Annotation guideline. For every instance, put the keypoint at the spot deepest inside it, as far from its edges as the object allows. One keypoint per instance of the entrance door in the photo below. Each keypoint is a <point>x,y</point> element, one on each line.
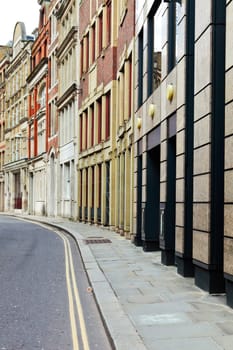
<point>107,193</point>
<point>138,237</point>
<point>31,197</point>
<point>52,186</point>
<point>18,193</point>
<point>167,239</point>
<point>151,212</point>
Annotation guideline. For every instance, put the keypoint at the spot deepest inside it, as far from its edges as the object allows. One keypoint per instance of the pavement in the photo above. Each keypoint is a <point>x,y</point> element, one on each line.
<point>144,304</point>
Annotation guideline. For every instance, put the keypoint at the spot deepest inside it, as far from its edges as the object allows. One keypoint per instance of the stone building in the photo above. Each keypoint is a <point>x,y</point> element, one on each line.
<point>16,131</point>
<point>228,158</point>
<point>105,110</point>
<point>96,109</point>
<point>122,140</point>
<point>160,107</point>
<point>5,52</point>
<point>53,151</point>
<point>67,55</point>
<point>38,117</point>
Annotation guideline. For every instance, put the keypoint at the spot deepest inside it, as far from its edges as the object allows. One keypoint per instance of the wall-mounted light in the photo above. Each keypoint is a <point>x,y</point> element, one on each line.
<point>170,92</point>
<point>139,123</point>
<point>151,110</point>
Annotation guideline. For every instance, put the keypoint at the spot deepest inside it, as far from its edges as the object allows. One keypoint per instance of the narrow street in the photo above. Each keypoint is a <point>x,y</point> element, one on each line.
<point>46,301</point>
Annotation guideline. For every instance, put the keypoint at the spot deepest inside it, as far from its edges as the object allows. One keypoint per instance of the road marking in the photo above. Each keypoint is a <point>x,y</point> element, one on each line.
<point>71,302</point>
<point>78,302</point>
<point>73,289</point>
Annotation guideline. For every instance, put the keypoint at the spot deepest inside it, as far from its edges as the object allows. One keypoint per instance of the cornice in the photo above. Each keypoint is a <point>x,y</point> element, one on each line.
<point>68,95</point>
<point>70,37</point>
<point>60,10</point>
<point>33,74</point>
<point>17,61</point>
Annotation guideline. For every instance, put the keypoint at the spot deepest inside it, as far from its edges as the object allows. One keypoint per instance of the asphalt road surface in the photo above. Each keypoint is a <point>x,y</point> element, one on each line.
<point>46,302</point>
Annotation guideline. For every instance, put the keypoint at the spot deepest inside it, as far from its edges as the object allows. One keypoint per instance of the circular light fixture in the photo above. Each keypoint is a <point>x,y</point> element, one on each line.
<point>170,92</point>
<point>151,110</point>
<point>139,123</point>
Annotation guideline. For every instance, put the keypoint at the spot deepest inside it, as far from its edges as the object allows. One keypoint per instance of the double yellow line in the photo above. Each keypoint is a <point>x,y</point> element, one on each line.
<point>74,299</point>
<point>73,294</point>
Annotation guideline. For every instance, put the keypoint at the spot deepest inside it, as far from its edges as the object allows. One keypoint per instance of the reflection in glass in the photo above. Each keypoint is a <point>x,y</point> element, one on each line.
<point>179,15</point>
<point>139,6</point>
<point>157,66</point>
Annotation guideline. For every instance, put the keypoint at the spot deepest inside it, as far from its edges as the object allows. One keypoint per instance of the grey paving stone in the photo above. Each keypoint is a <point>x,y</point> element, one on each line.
<point>205,343</point>
<point>178,327</point>
<point>225,342</point>
<point>226,327</point>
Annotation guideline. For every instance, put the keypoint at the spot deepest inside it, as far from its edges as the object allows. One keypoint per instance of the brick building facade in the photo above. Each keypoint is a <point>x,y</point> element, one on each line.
<point>38,123</point>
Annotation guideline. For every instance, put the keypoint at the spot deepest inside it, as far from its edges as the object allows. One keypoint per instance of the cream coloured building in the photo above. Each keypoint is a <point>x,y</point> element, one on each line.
<point>16,131</point>
<point>5,52</point>
<point>67,55</point>
<point>38,115</point>
<point>53,187</point>
<point>123,160</point>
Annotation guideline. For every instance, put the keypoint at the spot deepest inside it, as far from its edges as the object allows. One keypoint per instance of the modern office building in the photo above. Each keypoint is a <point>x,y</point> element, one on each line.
<point>179,137</point>
<point>228,154</point>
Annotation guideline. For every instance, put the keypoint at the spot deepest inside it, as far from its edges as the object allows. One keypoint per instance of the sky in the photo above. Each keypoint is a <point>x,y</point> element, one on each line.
<point>13,11</point>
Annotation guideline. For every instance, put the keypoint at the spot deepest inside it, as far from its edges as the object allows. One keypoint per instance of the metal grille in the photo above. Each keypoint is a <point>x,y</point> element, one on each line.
<point>97,240</point>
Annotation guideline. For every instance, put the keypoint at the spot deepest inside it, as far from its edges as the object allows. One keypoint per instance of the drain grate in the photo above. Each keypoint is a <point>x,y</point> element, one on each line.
<point>97,240</point>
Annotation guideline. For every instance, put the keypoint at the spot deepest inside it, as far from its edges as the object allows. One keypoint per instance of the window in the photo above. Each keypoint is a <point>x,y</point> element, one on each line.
<point>81,57</point>
<point>86,129</point>
<point>155,47</point>
<point>86,187</point>
<point>93,43</point>
<point>92,186</point>
<point>140,68</point>
<point>171,36</point>
<point>67,184</point>
<point>42,96</point>
<point>87,52</point>
<point>41,136</point>
<point>53,70</point>
<point>99,111</point>
<point>109,22</point>
<point>99,185</point>
<point>100,32</point>
<point>31,136</point>
<point>81,189</point>
<point>139,6</point>
<point>107,124</point>
<point>92,125</point>
<point>53,20</point>
<point>81,132</point>
<point>52,118</point>
<point>179,32</point>
<point>129,87</point>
